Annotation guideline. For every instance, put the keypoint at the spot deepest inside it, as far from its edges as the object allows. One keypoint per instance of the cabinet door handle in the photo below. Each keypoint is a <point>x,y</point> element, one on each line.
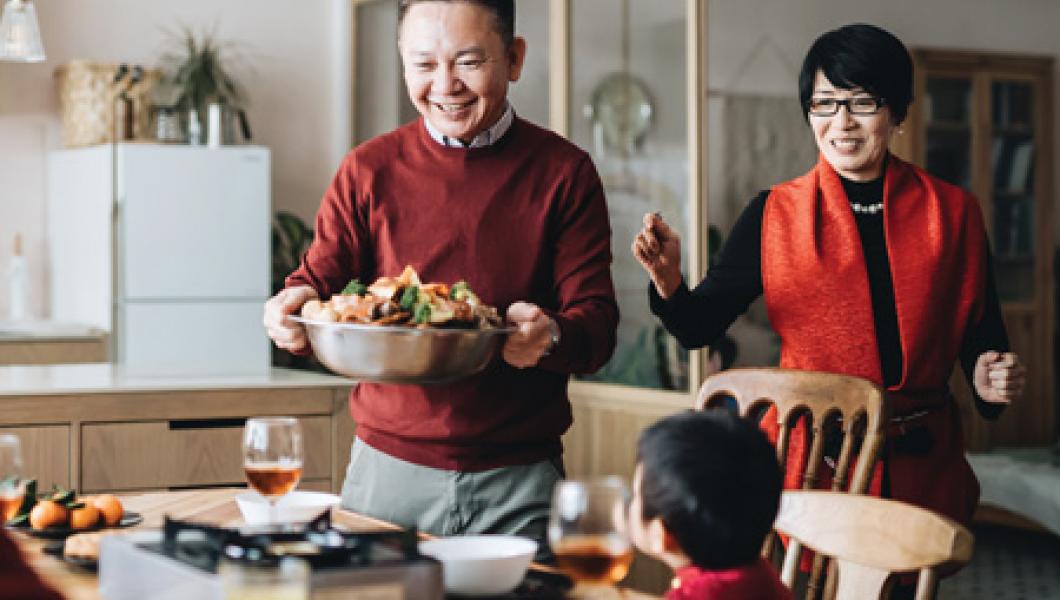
<point>206,486</point>
<point>178,424</point>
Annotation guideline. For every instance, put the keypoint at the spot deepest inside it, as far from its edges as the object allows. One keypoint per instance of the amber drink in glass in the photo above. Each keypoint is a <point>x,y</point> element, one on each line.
<point>587,534</point>
<point>272,457</point>
<point>12,484</point>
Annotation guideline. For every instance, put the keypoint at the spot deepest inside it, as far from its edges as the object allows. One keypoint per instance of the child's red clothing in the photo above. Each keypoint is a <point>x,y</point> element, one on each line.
<point>755,581</point>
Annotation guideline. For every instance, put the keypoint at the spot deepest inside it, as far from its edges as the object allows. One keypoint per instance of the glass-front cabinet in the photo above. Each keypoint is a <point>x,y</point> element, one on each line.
<point>628,110</point>
<point>984,122</point>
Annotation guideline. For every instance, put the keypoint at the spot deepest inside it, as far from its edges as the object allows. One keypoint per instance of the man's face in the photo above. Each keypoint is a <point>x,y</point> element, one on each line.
<point>457,68</point>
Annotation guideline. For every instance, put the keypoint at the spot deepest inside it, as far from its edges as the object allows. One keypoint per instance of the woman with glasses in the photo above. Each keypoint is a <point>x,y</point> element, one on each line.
<point>869,267</point>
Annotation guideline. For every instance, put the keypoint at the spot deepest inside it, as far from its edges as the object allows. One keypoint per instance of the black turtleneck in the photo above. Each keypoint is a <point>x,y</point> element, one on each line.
<point>698,317</point>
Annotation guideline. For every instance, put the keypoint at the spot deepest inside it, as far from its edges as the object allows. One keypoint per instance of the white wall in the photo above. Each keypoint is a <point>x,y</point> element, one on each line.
<point>286,47</point>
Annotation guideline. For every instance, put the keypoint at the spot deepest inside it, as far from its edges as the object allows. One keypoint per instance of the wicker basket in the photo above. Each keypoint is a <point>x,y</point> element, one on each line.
<point>87,97</point>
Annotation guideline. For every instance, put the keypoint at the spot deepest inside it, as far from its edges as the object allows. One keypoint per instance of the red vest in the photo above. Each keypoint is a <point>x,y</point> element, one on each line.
<point>817,294</point>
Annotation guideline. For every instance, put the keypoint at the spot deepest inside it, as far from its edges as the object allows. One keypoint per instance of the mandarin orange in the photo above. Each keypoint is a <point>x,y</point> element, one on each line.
<point>111,508</point>
<point>48,513</point>
<point>84,518</point>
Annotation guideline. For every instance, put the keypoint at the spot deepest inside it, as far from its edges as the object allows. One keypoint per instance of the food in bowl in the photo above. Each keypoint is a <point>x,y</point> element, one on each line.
<point>481,565</point>
<point>405,300</point>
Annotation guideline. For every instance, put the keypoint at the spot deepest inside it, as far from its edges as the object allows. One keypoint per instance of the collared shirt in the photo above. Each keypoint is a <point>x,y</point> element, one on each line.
<point>485,138</point>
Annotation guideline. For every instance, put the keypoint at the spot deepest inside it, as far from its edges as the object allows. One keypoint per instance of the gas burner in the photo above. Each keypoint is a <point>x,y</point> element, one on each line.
<point>319,542</point>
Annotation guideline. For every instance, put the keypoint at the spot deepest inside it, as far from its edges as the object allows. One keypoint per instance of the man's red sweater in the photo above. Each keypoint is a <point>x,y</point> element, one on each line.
<point>522,219</point>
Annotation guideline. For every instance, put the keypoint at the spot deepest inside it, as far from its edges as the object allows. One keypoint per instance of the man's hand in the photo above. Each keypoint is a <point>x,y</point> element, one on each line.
<point>658,249</point>
<point>286,333</point>
<point>999,377</point>
<point>533,338</point>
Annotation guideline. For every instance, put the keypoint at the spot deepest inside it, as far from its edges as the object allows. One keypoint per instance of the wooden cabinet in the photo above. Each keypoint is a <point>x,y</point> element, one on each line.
<point>21,351</point>
<point>133,440</point>
<point>984,121</point>
<point>45,453</point>
<point>183,453</point>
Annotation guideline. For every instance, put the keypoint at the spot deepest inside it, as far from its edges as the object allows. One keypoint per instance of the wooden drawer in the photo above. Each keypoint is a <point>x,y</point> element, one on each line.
<point>165,454</point>
<point>45,454</point>
<point>25,352</point>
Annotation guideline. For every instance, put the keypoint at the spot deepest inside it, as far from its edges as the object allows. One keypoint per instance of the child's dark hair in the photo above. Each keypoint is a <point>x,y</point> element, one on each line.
<point>715,481</point>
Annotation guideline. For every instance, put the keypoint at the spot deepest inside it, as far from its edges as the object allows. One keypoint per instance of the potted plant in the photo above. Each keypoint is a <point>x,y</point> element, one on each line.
<point>196,73</point>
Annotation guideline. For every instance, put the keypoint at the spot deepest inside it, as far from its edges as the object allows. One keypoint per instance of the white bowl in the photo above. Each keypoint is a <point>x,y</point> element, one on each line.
<point>481,565</point>
<point>296,507</point>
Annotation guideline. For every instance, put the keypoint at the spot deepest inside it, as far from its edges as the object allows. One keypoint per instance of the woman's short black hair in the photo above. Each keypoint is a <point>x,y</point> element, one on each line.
<point>715,481</point>
<point>864,56</point>
<point>503,12</point>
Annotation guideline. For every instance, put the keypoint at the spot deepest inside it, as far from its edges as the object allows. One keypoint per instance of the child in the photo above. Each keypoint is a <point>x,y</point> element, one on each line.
<point>705,494</point>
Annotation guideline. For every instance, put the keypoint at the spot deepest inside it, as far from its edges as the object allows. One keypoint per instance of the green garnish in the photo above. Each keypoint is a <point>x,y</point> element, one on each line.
<point>459,291</point>
<point>409,297</point>
<point>422,313</point>
<point>355,288</point>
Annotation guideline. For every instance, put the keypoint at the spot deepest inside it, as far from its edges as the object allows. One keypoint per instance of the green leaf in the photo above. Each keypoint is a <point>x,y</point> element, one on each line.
<point>408,298</point>
<point>459,290</point>
<point>293,229</point>
<point>63,496</point>
<point>29,500</point>
<point>422,313</point>
<point>355,287</point>
<point>19,520</point>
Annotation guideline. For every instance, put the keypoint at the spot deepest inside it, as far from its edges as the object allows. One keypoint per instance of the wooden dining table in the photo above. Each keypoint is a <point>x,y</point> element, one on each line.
<point>209,506</point>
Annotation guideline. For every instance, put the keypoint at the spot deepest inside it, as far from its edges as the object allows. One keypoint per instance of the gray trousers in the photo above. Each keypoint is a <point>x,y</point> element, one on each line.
<point>511,500</point>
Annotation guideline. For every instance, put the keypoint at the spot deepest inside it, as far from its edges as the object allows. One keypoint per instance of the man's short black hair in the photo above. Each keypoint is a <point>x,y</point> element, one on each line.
<point>715,481</point>
<point>503,12</point>
<point>863,56</point>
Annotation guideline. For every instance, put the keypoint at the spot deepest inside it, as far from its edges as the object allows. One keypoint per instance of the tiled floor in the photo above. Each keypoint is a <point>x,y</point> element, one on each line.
<point>1008,564</point>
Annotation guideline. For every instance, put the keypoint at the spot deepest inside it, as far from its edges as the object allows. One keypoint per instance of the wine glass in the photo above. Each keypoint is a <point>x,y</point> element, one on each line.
<point>272,457</point>
<point>12,485</point>
<point>587,533</point>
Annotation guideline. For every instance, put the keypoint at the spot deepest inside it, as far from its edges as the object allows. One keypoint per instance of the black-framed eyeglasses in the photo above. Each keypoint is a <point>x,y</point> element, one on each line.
<point>859,105</point>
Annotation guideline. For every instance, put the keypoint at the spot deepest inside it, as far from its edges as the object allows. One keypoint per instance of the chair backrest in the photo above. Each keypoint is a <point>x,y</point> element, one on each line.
<point>821,396</point>
<point>838,402</point>
<point>871,538</point>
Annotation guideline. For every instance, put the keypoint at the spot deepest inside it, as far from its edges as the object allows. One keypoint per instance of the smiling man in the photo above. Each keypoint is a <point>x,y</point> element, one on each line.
<point>468,191</point>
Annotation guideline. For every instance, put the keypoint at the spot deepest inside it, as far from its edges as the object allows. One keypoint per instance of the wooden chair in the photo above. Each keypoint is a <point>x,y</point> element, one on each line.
<point>870,539</point>
<point>827,400</point>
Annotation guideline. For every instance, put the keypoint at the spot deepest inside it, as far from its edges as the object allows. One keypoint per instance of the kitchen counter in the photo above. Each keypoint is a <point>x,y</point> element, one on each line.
<point>50,342</point>
<point>105,378</point>
<point>100,427</point>
<point>46,330</point>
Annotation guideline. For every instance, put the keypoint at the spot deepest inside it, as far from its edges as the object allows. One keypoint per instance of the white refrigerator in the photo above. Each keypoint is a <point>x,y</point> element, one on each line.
<point>167,247</point>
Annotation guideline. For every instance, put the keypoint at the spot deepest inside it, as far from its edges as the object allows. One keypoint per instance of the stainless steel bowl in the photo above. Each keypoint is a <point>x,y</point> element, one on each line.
<point>395,354</point>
